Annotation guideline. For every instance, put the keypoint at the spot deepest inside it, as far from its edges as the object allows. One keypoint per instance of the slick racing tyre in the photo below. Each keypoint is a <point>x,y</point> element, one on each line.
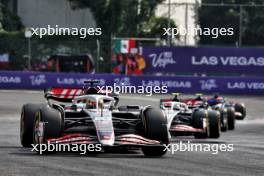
<point>224,119</point>
<point>214,124</point>
<point>27,123</point>
<point>48,124</point>
<point>241,109</point>
<point>231,118</point>
<point>155,128</point>
<point>198,117</point>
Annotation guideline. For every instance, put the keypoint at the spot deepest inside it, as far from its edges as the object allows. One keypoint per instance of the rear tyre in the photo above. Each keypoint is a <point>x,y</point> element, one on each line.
<point>155,128</point>
<point>27,123</point>
<point>231,118</point>
<point>214,124</point>
<point>242,109</point>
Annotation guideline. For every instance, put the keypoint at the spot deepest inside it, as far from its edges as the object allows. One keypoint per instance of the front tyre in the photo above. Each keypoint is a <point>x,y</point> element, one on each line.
<point>198,117</point>
<point>48,124</point>
<point>231,118</point>
<point>155,128</point>
<point>241,109</point>
<point>155,151</point>
<point>224,119</point>
<point>214,124</point>
<point>27,122</point>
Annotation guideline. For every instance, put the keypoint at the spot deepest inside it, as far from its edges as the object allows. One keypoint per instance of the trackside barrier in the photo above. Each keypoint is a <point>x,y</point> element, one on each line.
<point>213,60</point>
<point>225,85</point>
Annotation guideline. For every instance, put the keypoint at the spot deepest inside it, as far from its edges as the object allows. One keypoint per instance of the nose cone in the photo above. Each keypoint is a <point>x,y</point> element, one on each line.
<point>105,132</point>
<point>107,138</point>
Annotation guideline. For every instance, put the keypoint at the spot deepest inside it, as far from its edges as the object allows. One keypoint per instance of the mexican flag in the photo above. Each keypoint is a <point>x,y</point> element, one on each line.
<point>124,46</point>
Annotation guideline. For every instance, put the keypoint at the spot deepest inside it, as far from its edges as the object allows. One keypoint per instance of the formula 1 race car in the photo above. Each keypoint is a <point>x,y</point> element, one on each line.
<point>202,123</point>
<point>83,116</point>
<point>227,112</point>
<point>238,108</point>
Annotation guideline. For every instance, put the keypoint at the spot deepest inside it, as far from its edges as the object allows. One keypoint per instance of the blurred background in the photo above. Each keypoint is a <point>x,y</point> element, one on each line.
<point>128,19</point>
<point>132,40</point>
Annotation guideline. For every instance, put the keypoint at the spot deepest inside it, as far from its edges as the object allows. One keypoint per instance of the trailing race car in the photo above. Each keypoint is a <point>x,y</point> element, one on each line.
<point>227,112</point>
<point>202,123</point>
<point>239,108</point>
<point>90,118</point>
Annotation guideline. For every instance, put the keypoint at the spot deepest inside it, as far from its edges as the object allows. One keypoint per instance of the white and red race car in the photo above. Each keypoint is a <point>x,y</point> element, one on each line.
<point>78,116</point>
<point>182,121</point>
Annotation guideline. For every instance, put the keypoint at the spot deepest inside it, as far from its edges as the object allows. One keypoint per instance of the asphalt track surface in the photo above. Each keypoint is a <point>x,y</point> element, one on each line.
<point>246,159</point>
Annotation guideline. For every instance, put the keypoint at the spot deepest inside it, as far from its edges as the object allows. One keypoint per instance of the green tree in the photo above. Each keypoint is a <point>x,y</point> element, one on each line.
<point>122,18</point>
<point>156,25</point>
<point>11,36</point>
<point>126,18</point>
<point>252,22</point>
<point>8,20</point>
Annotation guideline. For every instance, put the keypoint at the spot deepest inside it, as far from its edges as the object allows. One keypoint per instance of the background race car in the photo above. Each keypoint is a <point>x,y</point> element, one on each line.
<point>200,122</point>
<point>227,111</point>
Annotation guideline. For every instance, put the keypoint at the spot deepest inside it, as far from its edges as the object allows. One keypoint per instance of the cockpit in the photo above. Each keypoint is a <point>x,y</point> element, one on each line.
<point>95,102</point>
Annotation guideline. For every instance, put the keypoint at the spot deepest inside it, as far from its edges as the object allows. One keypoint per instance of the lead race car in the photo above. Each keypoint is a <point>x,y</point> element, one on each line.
<point>182,121</point>
<point>92,118</point>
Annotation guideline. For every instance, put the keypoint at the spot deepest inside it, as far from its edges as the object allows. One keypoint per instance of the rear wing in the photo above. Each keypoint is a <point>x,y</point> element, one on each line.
<point>68,94</point>
<point>193,103</point>
<point>62,94</point>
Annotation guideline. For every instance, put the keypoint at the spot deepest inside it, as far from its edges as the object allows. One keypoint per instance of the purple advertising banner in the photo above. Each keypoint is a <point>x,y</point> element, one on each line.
<point>226,85</point>
<point>240,61</point>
